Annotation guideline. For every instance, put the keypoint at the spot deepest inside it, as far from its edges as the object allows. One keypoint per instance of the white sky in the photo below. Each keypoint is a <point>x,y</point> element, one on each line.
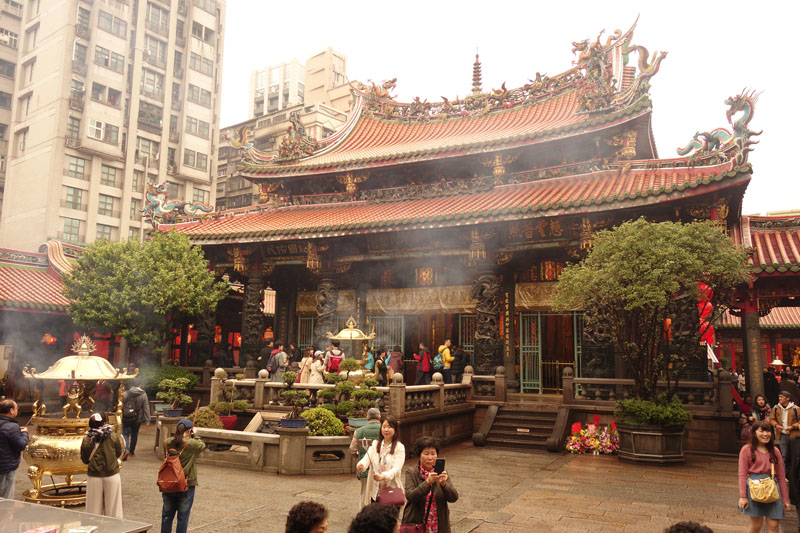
<point>715,50</point>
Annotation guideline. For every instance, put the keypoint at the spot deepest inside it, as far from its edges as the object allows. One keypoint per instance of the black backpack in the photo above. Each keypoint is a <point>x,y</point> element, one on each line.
<point>130,414</point>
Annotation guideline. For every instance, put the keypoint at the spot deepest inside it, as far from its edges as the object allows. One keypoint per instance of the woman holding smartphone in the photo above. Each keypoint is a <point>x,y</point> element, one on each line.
<point>428,489</point>
<point>188,446</point>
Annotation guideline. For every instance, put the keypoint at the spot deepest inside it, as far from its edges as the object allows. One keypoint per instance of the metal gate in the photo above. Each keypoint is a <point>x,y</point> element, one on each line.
<point>390,331</point>
<point>466,335</point>
<point>305,332</point>
<point>530,352</point>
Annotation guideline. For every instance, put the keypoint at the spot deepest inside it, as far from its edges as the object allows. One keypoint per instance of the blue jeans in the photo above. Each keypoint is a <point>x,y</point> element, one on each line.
<point>131,435</point>
<point>180,502</point>
<point>7,485</point>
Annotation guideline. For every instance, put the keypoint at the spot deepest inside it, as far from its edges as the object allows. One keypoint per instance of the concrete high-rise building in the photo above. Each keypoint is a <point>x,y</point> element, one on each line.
<point>275,88</point>
<point>326,80</point>
<point>109,95</point>
<point>10,21</point>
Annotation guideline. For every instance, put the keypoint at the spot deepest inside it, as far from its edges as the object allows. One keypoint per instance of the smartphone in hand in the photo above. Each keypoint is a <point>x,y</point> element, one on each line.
<point>438,467</point>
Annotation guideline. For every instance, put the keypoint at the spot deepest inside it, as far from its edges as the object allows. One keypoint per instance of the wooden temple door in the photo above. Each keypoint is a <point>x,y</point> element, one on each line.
<point>548,342</point>
<point>530,352</point>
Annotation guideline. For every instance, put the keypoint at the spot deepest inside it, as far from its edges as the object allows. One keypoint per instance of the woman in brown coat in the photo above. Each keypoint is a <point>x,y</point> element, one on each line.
<point>425,488</point>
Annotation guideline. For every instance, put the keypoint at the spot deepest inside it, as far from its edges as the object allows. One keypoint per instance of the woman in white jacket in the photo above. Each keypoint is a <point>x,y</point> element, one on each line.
<point>385,458</point>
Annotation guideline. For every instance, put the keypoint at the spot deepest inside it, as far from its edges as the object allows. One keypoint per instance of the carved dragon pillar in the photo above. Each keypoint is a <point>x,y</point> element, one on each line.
<point>488,293</point>
<point>252,317</point>
<point>327,301</point>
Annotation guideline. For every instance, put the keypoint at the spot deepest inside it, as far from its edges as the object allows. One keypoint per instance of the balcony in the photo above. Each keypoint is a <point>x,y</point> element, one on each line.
<point>182,7</point>
<point>153,95</point>
<point>172,170</point>
<point>76,101</point>
<point>12,10</point>
<point>79,206</point>
<point>105,101</point>
<point>179,73</point>
<point>71,237</point>
<point>113,213</point>
<point>161,29</point>
<point>72,143</point>
<point>174,137</point>
<point>153,59</point>
<point>180,41</point>
<point>79,68</point>
<point>177,105</point>
<point>83,32</point>
<point>149,126</point>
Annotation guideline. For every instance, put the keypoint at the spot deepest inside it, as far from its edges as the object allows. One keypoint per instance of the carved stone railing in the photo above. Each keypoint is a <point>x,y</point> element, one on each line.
<point>701,396</point>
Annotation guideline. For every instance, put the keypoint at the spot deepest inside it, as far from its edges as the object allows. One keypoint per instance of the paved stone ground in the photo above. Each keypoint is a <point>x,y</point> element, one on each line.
<point>500,491</point>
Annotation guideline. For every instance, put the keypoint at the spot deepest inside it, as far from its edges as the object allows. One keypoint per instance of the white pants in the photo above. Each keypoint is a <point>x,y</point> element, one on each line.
<point>104,496</point>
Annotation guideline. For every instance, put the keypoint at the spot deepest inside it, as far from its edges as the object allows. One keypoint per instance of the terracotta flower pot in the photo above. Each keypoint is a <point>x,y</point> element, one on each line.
<point>228,421</point>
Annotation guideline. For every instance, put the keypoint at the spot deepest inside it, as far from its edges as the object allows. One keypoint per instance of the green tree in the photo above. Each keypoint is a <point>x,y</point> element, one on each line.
<point>638,288</point>
<point>136,290</point>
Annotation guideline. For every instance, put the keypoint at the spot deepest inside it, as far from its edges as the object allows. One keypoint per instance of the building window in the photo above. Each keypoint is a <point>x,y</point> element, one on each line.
<point>25,106</point>
<point>112,24</point>
<point>199,95</point>
<point>74,198</point>
<point>157,19</point>
<point>7,68</point>
<point>106,205</point>
<point>31,37</point>
<point>197,127</point>
<point>106,58</point>
<point>195,159</point>
<point>9,38</point>
<point>28,70</point>
<point>22,140</point>
<point>104,232</point>
<point>79,53</point>
<point>72,230</point>
<point>103,131</point>
<point>155,51</point>
<point>206,5</point>
<point>199,195</point>
<point>108,175</point>
<point>135,214</point>
<point>83,18</point>
<point>77,168</point>
<point>201,32</point>
<point>73,128</point>
<point>5,100</point>
<point>179,28</point>
<point>152,84</point>
<point>174,191</point>
<point>3,131</point>
<point>146,149</point>
<point>201,64</point>
<point>137,180</point>
<point>150,114</point>
<point>177,62</point>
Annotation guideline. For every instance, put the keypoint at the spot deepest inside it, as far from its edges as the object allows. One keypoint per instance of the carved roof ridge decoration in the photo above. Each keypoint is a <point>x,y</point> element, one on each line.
<point>598,191</point>
<point>586,97</point>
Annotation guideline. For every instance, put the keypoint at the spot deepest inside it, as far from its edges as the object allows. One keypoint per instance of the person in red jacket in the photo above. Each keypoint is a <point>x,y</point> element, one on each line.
<point>424,367</point>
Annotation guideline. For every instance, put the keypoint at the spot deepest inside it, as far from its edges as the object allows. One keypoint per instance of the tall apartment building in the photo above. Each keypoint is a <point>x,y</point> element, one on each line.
<point>10,21</point>
<point>110,94</point>
<point>324,103</point>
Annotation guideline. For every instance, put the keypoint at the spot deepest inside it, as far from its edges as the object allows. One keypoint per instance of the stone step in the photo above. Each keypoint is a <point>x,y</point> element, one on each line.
<point>531,418</point>
<point>536,425</point>
<point>522,435</point>
<point>516,444</point>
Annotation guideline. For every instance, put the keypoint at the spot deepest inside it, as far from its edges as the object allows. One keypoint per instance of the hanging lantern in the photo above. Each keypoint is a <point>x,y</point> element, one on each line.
<point>268,303</point>
<point>48,339</point>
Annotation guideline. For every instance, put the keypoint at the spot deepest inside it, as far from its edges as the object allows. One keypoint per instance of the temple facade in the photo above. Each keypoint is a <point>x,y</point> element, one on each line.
<point>454,219</point>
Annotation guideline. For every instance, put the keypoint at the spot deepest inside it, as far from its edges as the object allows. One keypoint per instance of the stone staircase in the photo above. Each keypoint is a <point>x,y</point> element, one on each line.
<point>522,427</point>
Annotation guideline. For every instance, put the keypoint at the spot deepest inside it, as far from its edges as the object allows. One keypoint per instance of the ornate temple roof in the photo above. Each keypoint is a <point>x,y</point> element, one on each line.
<point>775,242</point>
<point>777,318</point>
<point>32,281</point>
<point>601,90</point>
<point>589,192</point>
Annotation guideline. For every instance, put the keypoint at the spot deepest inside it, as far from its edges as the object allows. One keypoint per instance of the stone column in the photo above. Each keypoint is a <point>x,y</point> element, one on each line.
<point>252,318</point>
<point>292,451</point>
<point>327,301</point>
<point>488,294</point>
<point>752,349</point>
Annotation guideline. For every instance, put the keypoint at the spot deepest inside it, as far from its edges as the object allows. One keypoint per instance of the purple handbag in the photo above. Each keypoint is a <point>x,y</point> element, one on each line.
<point>391,496</point>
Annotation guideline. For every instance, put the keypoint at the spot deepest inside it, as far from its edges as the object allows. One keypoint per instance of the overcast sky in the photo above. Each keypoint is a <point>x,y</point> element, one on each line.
<point>715,49</point>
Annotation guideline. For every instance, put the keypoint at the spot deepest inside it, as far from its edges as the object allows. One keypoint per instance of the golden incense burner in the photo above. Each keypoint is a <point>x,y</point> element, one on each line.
<point>54,448</point>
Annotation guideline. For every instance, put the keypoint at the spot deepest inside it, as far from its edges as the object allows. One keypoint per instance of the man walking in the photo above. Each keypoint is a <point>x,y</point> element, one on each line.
<point>362,438</point>
<point>135,412</point>
<point>784,419</point>
<point>13,440</point>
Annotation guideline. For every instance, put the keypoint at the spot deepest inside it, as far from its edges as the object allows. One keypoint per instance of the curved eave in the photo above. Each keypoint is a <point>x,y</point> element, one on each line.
<point>640,108</point>
<point>554,206</point>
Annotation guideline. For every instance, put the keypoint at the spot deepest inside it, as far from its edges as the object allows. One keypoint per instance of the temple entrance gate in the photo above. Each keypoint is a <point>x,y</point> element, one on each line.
<point>548,342</point>
<point>390,331</point>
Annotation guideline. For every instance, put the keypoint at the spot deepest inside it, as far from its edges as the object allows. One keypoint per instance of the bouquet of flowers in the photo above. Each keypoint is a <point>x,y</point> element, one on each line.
<point>593,439</point>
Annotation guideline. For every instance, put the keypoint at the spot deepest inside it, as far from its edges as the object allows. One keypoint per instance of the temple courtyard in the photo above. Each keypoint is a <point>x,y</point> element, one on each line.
<point>500,491</point>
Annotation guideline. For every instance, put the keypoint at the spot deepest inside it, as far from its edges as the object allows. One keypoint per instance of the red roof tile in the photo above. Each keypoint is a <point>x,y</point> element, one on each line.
<point>373,141</point>
<point>574,194</point>
<point>776,244</point>
<point>778,318</point>
<point>30,288</point>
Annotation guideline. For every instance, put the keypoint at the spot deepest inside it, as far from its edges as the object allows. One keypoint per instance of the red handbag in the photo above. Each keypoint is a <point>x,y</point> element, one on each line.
<point>391,496</point>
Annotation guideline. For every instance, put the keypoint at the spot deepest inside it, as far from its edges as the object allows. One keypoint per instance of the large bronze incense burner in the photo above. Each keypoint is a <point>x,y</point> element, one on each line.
<point>55,439</point>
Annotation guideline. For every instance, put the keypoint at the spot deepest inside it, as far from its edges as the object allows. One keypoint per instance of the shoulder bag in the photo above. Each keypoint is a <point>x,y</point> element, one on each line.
<point>764,490</point>
<point>419,528</point>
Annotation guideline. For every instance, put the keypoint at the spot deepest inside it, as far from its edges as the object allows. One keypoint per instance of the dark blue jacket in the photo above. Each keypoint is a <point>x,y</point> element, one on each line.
<point>12,442</point>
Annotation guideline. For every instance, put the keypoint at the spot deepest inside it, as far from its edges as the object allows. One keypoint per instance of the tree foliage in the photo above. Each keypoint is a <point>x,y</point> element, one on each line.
<point>135,289</point>
<point>638,288</point>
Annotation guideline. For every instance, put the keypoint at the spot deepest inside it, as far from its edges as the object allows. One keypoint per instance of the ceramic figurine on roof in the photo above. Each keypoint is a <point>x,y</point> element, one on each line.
<point>297,143</point>
<point>157,209</point>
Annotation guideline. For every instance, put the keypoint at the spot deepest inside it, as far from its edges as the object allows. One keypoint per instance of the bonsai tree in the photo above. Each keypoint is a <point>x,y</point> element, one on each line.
<point>174,392</point>
<point>293,397</point>
<point>641,288</point>
<point>323,423</point>
<point>205,418</point>
<point>366,397</point>
<point>227,402</point>
<point>153,375</point>
<point>347,366</point>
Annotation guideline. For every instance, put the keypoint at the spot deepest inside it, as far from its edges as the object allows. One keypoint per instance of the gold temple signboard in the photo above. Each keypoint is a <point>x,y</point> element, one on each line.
<point>536,296</point>
<point>453,299</point>
<point>307,302</point>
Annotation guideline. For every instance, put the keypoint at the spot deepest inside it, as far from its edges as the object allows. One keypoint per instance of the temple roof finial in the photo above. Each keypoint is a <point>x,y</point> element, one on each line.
<point>476,74</point>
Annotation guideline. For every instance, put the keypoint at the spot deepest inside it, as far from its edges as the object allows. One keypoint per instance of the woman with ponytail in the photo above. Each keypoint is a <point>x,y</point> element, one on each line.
<point>188,446</point>
<point>99,451</point>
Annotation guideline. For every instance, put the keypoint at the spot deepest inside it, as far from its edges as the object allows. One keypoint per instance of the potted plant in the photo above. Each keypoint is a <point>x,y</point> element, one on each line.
<point>205,418</point>
<point>647,289</point>
<point>351,370</point>
<point>153,375</point>
<point>174,392</point>
<point>295,399</point>
<point>323,423</point>
<point>226,403</point>
<point>366,397</point>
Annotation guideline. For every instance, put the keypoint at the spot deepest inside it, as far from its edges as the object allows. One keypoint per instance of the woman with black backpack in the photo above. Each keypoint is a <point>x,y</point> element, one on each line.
<point>99,450</point>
